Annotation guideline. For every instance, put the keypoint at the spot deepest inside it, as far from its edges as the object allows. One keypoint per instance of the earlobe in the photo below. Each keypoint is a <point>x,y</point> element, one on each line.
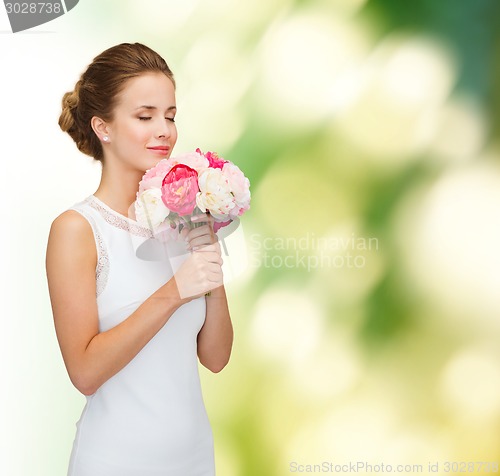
<point>100,128</point>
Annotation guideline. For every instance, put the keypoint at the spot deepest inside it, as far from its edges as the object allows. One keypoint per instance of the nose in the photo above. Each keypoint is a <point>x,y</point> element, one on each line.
<point>163,130</point>
<point>163,134</point>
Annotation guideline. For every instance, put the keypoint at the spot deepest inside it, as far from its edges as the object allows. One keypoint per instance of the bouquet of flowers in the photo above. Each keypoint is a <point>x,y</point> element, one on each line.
<point>189,184</point>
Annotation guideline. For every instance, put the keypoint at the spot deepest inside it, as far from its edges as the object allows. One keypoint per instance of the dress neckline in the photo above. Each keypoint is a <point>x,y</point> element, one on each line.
<point>117,219</point>
<point>114,212</point>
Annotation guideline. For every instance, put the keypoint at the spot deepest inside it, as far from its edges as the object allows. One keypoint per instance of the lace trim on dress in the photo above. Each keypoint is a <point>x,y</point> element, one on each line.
<point>102,266</point>
<point>119,221</point>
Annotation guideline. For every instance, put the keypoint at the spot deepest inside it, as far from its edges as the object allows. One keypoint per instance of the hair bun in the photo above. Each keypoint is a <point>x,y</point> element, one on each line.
<point>70,100</point>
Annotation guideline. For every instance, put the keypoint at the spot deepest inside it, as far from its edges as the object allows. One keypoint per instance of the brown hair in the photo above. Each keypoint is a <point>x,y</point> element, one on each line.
<point>96,91</point>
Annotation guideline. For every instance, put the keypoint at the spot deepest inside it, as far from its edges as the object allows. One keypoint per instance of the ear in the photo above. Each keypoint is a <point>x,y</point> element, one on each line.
<point>100,127</point>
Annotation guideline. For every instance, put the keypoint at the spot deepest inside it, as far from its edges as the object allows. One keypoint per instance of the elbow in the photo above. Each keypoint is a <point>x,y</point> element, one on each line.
<point>214,358</point>
<point>215,365</point>
<point>216,368</point>
<point>83,385</point>
<point>87,391</point>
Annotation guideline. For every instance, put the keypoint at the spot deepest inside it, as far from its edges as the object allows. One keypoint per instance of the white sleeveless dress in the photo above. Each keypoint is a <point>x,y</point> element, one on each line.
<point>149,419</point>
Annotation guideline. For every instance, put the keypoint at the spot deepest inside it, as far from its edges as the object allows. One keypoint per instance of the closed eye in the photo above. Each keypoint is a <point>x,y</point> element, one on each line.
<point>144,118</point>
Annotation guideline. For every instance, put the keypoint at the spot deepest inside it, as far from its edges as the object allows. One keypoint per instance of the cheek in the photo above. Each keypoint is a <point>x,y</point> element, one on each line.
<point>174,135</point>
<point>137,133</point>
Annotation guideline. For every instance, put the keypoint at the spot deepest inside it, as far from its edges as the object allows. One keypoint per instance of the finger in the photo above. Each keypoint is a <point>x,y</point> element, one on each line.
<point>215,259</point>
<point>216,278</point>
<point>202,217</point>
<point>202,240</point>
<point>199,231</point>
<point>206,247</point>
<point>214,268</point>
<point>204,220</point>
<point>210,256</point>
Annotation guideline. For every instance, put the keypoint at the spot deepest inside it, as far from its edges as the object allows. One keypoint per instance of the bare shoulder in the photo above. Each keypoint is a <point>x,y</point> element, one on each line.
<point>71,233</point>
<point>70,222</point>
<point>72,228</point>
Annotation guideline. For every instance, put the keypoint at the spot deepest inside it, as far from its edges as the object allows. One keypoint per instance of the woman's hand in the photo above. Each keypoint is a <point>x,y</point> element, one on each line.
<point>202,270</point>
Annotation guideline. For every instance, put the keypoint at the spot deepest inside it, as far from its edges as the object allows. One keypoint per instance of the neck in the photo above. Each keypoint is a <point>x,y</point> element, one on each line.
<point>118,187</point>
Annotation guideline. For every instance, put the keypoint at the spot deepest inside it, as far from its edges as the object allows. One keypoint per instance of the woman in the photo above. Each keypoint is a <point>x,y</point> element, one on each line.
<point>129,338</point>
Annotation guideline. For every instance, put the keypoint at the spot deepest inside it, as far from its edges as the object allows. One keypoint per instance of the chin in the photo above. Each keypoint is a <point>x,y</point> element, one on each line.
<point>152,161</point>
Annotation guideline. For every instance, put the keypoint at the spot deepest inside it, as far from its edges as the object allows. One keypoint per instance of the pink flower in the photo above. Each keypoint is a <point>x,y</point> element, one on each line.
<point>194,160</point>
<point>154,176</point>
<point>218,225</point>
<point>179,189</point>
<point>213,158</point>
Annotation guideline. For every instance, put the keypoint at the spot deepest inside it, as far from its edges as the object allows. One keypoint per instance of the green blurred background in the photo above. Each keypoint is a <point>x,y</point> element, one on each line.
<point>367,315</point>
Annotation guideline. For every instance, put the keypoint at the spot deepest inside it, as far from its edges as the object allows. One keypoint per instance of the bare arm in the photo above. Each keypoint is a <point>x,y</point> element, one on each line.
<point>215,338</point>
<point>91,358</point>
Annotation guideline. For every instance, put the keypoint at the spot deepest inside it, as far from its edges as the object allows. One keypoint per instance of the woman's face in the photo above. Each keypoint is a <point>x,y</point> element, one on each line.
<point>143,130</point>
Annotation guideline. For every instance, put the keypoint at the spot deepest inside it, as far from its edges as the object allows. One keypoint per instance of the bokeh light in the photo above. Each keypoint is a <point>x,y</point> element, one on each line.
<point>394,98</point>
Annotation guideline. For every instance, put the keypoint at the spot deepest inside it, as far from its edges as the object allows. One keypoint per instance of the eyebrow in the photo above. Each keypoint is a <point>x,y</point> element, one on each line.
<point>171,108</point>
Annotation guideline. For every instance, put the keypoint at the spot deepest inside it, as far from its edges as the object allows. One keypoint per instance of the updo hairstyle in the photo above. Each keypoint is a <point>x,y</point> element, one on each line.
<point>96,91</point>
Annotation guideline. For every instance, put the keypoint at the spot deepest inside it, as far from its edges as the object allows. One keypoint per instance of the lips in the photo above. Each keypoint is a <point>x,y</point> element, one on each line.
<point>161,149</point>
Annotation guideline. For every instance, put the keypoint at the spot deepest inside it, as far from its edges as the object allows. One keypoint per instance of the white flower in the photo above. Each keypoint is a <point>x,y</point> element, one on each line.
<point>215,194</point>
<point>239,186</point>
<point>150,210</point>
